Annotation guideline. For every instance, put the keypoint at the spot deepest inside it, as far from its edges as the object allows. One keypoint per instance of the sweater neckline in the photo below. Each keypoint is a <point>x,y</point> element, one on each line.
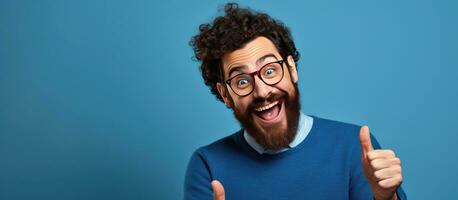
<point>311,135</point>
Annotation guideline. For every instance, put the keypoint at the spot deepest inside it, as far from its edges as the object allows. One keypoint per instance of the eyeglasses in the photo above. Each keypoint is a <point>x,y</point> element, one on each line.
<point>270,74</point>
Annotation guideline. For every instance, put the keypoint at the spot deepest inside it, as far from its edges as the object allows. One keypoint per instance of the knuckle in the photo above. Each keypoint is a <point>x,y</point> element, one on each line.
<point>399,168</point>
<point>383,184</point>
<point>390,152</point>
<point>377,174</point>
<point>400,178</point>
<point>374,163</point>
<point>370,155</point>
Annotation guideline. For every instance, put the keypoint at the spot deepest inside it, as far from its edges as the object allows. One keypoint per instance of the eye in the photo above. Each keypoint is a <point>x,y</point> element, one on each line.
<point>269,72</point>
<point>242,82</point>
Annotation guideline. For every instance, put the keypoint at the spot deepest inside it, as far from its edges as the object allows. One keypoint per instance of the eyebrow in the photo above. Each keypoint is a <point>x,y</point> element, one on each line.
<point>259,61</point>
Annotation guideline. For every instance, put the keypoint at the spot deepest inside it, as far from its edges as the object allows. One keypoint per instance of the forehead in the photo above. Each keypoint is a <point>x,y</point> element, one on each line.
<point>248,55</point>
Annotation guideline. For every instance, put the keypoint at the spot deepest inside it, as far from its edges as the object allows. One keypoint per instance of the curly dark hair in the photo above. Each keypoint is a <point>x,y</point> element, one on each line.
<point>231,32</point>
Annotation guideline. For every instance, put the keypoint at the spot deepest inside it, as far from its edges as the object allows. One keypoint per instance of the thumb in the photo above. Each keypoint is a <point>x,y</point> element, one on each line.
<point>365,140</point>
<point>218,190</point>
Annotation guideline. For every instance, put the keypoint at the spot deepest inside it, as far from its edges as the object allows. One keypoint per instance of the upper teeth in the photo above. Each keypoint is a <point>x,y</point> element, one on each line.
<point>266,106</point>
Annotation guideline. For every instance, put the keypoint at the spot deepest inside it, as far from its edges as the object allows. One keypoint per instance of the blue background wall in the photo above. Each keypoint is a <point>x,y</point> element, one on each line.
<point>101,99</point>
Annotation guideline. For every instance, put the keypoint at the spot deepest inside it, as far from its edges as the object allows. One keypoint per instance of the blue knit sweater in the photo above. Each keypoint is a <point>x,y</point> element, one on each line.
<point>326,165</point>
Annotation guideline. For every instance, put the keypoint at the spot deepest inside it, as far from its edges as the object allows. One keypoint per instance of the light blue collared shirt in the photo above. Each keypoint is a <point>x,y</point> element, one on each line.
<point>303,129</point>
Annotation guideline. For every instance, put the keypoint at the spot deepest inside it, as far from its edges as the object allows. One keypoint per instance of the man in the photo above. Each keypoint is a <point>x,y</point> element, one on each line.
<point>249,63</point>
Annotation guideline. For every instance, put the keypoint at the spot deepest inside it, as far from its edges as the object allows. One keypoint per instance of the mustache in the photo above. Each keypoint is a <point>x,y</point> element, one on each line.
<point>260,101</point>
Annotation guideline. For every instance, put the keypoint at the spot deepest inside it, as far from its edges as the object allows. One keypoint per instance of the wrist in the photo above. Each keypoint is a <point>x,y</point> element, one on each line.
<point>394,197</point>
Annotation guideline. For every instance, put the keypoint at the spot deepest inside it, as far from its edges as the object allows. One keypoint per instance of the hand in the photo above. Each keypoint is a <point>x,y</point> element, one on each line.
<point>381,167</point>
<point>218,190</point>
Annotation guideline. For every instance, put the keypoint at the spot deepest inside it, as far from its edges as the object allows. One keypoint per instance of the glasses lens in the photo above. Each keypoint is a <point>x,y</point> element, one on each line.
<point>272,73</point>
<point>242,84</point>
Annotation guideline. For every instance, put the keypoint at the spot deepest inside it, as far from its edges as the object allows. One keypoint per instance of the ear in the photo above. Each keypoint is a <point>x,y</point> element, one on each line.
<point>292,69</point>
<point>224,93</point>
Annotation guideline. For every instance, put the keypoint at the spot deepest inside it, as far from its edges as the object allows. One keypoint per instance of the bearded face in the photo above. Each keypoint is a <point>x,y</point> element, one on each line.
<point>271,135</point>
<point>270,112</point>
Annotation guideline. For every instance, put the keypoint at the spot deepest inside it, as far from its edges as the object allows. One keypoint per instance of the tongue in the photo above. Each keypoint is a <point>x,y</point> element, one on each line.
<point>269,114</point>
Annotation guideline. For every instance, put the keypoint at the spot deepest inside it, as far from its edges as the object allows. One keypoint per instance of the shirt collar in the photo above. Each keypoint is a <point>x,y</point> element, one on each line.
<point>304,126</point>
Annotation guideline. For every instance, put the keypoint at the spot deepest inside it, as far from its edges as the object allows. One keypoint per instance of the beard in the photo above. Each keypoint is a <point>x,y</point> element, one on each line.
<point>277,137</point>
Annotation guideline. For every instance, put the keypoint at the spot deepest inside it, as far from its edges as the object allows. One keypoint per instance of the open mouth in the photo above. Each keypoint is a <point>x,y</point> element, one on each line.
<point>269,113</point>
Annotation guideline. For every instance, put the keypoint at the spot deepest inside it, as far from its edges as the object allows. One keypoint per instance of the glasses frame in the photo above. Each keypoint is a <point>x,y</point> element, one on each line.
<point>258,73</point>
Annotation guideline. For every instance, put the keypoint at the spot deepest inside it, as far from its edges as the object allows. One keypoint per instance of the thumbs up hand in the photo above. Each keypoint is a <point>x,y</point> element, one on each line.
<point>381,167</point>
<point>218,190</point>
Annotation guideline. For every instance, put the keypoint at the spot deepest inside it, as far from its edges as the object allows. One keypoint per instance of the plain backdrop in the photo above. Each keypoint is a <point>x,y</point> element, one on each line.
<point>102,99</point>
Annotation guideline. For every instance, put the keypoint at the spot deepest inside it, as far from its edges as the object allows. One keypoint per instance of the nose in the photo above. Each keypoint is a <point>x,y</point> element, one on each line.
<point>261,90</point>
